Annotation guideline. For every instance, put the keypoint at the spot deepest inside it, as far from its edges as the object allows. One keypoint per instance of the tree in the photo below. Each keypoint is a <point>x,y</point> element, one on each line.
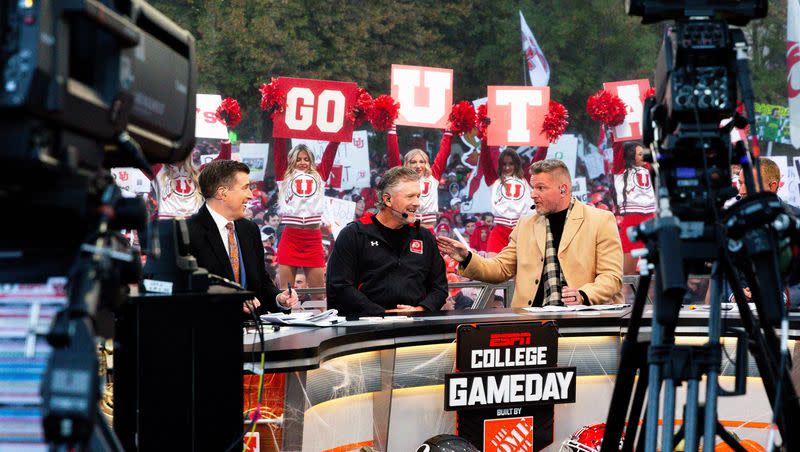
<point>242,43</point>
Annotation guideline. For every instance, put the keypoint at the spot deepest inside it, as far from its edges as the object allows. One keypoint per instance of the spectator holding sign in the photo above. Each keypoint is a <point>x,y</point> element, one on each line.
<point>636,199</point>
<point>511,194</point>
<point>301,202</point>
<point>418,160</point>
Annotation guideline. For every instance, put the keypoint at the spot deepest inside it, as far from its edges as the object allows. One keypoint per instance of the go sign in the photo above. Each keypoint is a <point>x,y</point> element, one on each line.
<point>315,109</point>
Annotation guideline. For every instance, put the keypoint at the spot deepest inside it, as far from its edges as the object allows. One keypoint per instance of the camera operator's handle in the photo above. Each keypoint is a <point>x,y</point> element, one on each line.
<point>740,387</point>
<point>126,33</point>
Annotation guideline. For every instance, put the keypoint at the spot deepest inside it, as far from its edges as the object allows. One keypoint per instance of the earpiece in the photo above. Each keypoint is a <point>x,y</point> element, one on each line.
<point>563,190</point>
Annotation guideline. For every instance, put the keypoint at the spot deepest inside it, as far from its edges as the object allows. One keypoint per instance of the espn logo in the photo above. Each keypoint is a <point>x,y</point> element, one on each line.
<point>509,339</point>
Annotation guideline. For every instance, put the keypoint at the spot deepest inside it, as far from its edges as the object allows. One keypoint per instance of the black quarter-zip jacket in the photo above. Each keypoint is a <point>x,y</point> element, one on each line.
<point>366,276</point>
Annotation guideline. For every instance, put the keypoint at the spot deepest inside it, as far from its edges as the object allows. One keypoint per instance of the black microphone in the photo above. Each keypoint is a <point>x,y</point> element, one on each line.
<point>403,214</point>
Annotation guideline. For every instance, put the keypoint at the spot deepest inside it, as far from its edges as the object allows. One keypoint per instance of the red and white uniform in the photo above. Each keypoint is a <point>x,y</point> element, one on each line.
<point>640,197</point>
<point>511,199</point>
<point>511,196</point>
<point>639,201</point>
<point>428,186</point>
<point>301,199</point>
<point>179,194</point>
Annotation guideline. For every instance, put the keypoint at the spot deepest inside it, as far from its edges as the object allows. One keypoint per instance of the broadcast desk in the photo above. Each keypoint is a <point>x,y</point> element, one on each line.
<point>381,384</point>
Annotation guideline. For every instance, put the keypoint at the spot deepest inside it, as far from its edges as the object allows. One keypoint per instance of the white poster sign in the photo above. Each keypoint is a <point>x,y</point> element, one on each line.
<point>206,123</point>
<point>579,189</point>
<point>338,213</point>
<point>255,156</point>
<point>566,150</point>
<point>353,157</point>
<point>594,162</point>
<point>131,179</point>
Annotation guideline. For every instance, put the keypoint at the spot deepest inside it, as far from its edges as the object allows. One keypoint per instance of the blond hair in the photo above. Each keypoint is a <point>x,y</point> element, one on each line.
<point>770,172</point>
<point>294,155</point>
<point>414,152</point>
<point>550,166</point>
<point>170,172</point>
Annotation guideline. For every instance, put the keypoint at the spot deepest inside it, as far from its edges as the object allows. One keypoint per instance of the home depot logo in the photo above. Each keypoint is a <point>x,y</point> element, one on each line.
<point>514,434</point>
<point>509,339</point>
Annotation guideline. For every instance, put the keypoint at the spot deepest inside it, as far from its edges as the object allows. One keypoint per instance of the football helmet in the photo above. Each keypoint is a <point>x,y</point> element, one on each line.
<point>585,439</point>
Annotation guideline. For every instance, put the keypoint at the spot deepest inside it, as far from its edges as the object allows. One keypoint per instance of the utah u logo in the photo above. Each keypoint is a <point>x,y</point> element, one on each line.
<point>512,190</point>
<point>426,187</point>
<point>643,179</point>
<point>183,186</point>
<point>304,186</point>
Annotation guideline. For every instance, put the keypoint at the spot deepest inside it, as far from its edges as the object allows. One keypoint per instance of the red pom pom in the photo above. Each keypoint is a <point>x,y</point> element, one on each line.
<point>360,111</point>
<point>462,118</point>
<point>273,100</point>
<point>228,112</point>
<point>384,112</point>
<point>606,108</point>
<point>555,122</point>
<point>482,121</point>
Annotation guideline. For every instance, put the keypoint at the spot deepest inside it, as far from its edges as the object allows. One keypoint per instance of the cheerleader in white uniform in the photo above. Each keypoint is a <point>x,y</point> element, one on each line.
<point>417,159</point>
<point>301,203</point>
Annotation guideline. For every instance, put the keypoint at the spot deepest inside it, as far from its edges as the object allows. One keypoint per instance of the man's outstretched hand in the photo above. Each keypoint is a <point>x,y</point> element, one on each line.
<point>453,248</point>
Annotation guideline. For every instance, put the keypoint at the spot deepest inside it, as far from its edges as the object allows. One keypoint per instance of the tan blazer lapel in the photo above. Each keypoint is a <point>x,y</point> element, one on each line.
<point>571,226</point>
<point>540,233</point>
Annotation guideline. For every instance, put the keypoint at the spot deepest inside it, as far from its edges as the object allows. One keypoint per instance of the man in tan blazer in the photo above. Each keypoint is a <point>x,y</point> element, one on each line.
<point>585,269</point>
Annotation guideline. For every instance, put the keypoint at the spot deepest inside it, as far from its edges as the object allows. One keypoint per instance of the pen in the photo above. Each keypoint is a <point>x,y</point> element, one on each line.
<point>299,304</point>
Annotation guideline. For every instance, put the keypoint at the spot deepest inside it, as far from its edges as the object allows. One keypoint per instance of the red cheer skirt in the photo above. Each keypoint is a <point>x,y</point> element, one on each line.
<point>301,248</point>
<point>627,220</point>
<point>498,238</point>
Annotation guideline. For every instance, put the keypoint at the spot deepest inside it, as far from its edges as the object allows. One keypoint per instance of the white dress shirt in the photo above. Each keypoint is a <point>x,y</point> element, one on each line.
<point>221,221</point>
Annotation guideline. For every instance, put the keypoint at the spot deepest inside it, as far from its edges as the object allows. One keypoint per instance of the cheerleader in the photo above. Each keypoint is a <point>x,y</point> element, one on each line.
<point>301,202</point>
<point>179,195</point>
<point>635,197</point>
<point>417,159</point>
<point>511,194</point>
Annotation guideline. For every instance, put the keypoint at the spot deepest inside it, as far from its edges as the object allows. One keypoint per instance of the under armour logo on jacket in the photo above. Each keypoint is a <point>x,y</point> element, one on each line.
<point>373,243</point>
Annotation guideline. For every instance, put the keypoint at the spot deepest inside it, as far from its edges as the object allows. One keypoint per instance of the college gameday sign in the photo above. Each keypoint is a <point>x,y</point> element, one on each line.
<point>506,385</point>
<point>631,92</point>
<point>315,109</point>
<point>517,114</point>
<point>425,95</point>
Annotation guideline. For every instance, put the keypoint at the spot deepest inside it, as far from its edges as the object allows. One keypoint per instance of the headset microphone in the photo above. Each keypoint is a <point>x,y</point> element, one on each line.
<point>402,214</point>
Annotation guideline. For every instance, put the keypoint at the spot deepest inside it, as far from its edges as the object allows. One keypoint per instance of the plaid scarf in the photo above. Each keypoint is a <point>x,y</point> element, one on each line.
<point>553,277</point>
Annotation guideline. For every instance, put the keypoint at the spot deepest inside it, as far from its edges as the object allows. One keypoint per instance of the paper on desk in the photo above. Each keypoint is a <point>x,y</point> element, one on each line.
<point>580,307</point>
<point>327,318</point>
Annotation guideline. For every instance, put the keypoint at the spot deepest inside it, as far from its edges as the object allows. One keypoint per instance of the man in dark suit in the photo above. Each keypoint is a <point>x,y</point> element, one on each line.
<point>227,244</point>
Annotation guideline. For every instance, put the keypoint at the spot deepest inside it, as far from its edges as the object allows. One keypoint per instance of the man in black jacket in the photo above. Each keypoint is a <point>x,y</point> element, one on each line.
<point>386,262</point>
<point>227,244</point>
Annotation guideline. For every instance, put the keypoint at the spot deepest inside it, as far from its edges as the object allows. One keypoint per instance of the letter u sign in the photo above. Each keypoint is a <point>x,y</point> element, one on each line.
<point>425,95</point>
<point>316,109</point>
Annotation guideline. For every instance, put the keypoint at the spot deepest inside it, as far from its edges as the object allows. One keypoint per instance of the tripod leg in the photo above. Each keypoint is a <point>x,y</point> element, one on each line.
<point>728,438</point>
<point>712,383</point>
<point>636,406</point>
<point>668,426</point>
<point>766,352</point>
<point>691,420</point>
<point>631,360</point>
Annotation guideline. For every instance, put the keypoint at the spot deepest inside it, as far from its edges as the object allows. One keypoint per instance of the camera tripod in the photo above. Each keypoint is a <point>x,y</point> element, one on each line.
<point>662,361</point>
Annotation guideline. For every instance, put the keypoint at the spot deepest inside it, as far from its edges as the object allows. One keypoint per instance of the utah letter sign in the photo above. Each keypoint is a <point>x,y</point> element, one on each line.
<point>316,109</point>
<point>425,95</point>
<point>517,114</point>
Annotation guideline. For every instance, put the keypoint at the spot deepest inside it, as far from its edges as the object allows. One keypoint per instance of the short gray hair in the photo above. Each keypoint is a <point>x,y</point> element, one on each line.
<point>392,179</point>
<point>550,166</point>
